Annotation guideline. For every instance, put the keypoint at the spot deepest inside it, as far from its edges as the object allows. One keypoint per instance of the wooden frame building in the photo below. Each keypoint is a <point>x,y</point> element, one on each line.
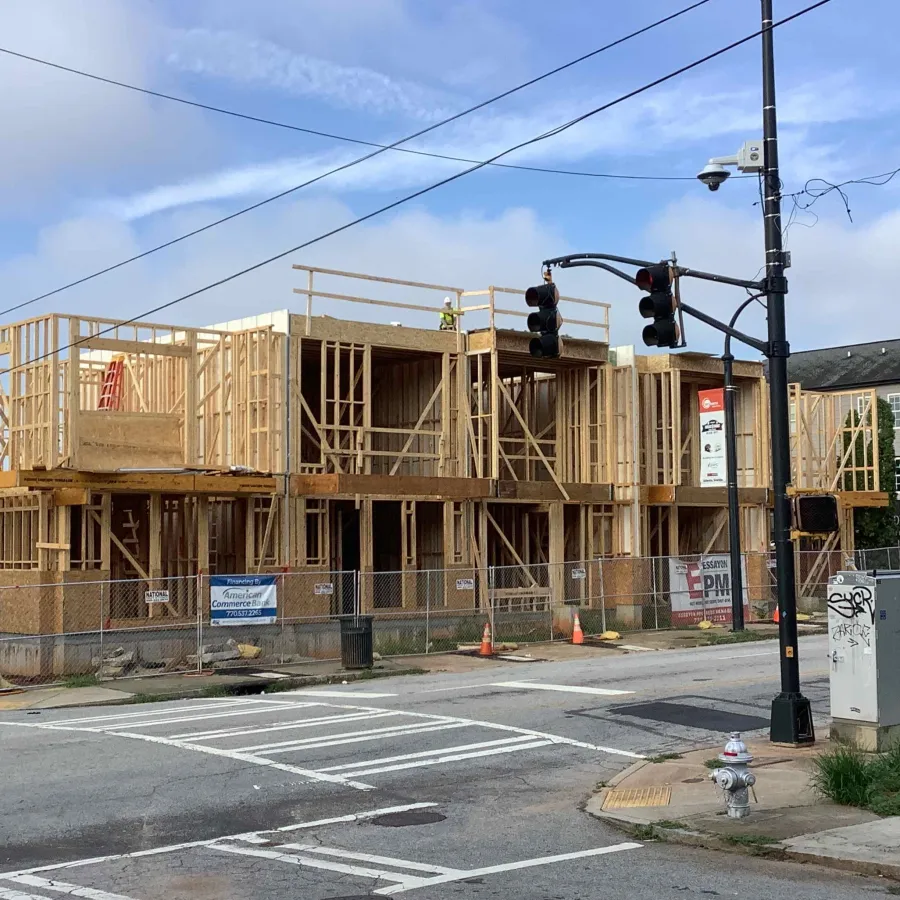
<point>313,443</point>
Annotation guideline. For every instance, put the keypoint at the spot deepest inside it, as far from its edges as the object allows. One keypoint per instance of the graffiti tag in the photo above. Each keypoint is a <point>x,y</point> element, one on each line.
<point>854,633</point>
<point>849,602</point>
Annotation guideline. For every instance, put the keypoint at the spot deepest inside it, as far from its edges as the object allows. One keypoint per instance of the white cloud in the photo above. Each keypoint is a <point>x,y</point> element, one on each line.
<point>675,118</point>
<point>238,57</point>
<point>57,124</point>
<point>837,279</point>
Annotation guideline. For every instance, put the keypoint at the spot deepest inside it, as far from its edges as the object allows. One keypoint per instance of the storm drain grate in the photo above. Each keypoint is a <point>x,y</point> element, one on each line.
<point>636,797</point>
<point>692,716</point>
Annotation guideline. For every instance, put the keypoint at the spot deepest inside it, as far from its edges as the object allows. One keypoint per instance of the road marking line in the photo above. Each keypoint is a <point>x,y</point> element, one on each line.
<point>296,723</point>
<point>747,655</point>
<point>18,895</point>
<point>165,711</point>
<point>442,690</point>
<point>188,845</point>
<point>375,734</point>
<point>565,688</point>
<point>398,879</point>
<point>241,757</point>
<point>454,758</point>
<point>61,887</point>
<point>425,753</point>
<point>370,858</point>
<point>205,717</point>
<point>412,884</point>
<point>276,675</point>
<point>553,738</point>
<point>351,694</point>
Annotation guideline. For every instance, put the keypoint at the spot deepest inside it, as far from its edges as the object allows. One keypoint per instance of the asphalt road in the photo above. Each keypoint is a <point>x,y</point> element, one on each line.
<point>440,786</point>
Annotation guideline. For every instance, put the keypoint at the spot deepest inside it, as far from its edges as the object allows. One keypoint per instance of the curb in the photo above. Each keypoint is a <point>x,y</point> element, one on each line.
<point>242,688</point>
<point>708,841</point>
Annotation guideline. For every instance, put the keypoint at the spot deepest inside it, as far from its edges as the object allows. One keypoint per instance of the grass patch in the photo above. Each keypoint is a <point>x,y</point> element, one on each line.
<point>850,777</point>
<point>894,889</point>
<point>668,823</point>
<point>77,681</point>
<point>150,698</point>
<point>713,763</point>
<point>749,840</point>
<point>738,637</point>
<point>663,757</point>
<point>644,832</point>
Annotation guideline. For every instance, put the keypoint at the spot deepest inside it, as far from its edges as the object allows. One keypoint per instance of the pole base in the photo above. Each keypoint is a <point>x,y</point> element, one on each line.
<point>791,721</point>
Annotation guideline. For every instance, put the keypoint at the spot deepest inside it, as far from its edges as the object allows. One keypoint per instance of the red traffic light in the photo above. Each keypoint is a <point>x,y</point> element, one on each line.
<point>654,278</point>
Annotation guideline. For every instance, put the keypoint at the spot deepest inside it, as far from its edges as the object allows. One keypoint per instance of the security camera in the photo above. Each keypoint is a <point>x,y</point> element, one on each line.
<point>713,175</point>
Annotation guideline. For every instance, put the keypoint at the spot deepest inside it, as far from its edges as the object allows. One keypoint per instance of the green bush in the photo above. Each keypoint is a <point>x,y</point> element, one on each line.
<point>850,777</point>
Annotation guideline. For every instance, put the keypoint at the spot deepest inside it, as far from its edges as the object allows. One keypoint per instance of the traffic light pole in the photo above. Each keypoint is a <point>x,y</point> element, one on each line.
<point>791,720</point>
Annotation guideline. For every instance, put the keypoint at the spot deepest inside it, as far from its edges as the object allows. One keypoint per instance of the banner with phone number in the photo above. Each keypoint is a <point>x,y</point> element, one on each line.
<point>243,600</point>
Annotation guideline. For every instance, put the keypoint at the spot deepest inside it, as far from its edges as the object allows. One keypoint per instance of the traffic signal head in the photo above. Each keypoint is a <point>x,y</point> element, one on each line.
<point>659,305</point>
<point>546,320</point>
<point>544,295</point>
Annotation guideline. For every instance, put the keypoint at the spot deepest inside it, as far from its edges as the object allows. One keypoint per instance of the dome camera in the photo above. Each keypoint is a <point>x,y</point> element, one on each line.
<point>713,175</point>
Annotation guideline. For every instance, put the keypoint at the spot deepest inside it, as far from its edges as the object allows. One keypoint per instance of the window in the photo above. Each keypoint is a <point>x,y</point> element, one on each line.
<point>894,400</point>
<point>897,473</point>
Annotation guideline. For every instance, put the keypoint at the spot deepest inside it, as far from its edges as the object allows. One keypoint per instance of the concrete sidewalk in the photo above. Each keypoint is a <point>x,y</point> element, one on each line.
<point>789,821</point>
<point>145,688</point>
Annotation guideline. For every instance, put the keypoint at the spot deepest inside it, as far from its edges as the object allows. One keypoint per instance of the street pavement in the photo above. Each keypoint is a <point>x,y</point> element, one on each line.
<point>445,785</point>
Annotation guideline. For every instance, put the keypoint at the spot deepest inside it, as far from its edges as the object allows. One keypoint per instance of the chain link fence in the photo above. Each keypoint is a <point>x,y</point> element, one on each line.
<point>78,631</point>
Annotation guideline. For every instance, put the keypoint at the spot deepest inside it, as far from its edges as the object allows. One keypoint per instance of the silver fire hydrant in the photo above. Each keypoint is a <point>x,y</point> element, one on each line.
<point>734,777</point>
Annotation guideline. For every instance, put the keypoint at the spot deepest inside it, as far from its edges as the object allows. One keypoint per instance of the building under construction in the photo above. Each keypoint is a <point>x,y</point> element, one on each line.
<point>303,442</point>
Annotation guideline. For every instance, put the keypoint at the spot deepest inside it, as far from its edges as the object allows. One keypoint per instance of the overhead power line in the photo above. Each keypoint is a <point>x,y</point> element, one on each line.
<point>377,152</point>
<point>549,170</point>
<point>547,134</point>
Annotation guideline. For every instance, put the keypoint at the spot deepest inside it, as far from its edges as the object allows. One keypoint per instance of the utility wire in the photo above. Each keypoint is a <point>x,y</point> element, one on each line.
<point>547,134</point>
<point>380,148</point>
<point>344,138</point>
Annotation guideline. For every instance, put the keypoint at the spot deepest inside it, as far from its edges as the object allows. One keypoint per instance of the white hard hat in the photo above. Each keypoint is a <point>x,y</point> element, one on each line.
<point>448,301</point>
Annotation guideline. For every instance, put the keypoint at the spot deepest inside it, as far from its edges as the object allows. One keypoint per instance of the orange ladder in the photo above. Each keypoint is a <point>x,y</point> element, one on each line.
<point>111,392</point>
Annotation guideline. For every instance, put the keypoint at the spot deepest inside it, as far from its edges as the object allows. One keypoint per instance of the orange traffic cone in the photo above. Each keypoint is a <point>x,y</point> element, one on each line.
<point>577,633</point>
<point>487,644</point>
<point>776,618</point>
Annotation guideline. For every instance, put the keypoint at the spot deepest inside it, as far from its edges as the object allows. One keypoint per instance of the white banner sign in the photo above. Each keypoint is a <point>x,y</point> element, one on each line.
<point>243,600</point>
<point>325,587</point>
<point>713,468</point>
<point>156,596</point>
<point>465,584</point>
<point>701,589</point>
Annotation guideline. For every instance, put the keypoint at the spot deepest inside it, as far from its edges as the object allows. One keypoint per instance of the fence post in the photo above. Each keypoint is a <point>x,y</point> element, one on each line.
<point>199,622</point>
<point>427,610</point>
<point>653,562</point>
<point>281,616</point>
<point>357,601</point>
<point>602,594</point>
<point>491,577</point>
<point>100,663</point>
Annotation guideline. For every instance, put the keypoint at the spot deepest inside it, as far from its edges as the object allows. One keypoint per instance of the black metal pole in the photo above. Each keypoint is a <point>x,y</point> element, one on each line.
<point>734,522</point>
<point>791,721</point>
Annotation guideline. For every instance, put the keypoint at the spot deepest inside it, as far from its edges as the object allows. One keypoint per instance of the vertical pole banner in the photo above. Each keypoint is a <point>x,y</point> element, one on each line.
<point>713,468</point>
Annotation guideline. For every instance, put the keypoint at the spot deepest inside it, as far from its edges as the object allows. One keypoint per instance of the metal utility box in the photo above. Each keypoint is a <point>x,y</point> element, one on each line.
<point>864,657</point>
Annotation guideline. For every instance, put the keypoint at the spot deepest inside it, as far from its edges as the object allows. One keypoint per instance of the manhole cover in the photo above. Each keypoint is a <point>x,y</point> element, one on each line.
<point>637,797</point>
<point>692,716</point>
<point>413,817</point>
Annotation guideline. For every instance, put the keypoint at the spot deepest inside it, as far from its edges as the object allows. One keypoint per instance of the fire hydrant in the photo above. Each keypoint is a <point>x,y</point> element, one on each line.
<point>734,777</point>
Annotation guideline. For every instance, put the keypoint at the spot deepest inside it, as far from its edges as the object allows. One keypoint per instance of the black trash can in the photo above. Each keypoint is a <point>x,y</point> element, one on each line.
<point>356,642</point>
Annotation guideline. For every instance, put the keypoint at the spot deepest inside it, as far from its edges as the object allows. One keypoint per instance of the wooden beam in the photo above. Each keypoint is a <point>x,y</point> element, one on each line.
<point>148,347</point>
<point>416,428</point>
<point>530,437</point>
<point>512,550</point>
<point>124,551</point>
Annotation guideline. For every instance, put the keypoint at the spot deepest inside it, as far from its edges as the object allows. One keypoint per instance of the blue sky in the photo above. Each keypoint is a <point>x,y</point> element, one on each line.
<point>90,173</point>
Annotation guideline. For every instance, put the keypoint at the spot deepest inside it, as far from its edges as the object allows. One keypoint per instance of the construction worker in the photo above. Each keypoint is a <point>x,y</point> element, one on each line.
<point>448,316</point>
